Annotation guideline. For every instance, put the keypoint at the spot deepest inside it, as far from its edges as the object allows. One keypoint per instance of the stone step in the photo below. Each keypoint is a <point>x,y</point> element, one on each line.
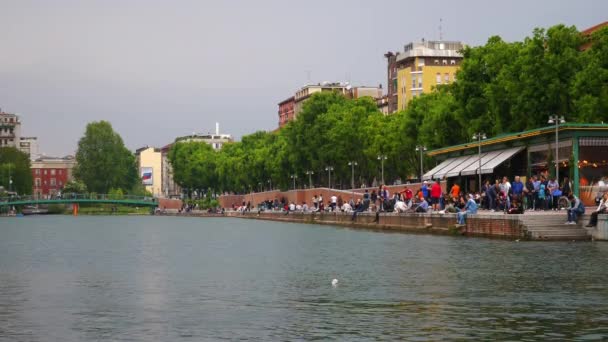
<point>560,227</point>
<point>564,234</point>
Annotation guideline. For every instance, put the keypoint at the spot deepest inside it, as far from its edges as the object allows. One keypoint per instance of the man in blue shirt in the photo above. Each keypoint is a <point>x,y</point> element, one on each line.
<point>517,188</point>
<point>469,208</point>
<point>425,190</point>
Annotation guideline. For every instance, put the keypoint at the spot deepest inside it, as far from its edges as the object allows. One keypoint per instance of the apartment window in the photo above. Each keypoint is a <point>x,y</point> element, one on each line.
<point>453,62</point>
<point>437,61</point>
<point>413,82</point>
<point>52,172</point>
<point>53,182</point>
<point>45,172</point>
<point>37,172</point>
<point>438,78</point>
<point>445,62</point>
<point>37,182</point>
<point>447,78</point>
<point>420,82</point>
<point>60,172</point>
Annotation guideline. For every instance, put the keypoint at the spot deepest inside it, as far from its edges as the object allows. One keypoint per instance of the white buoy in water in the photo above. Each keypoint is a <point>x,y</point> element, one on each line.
<point>334,282</point>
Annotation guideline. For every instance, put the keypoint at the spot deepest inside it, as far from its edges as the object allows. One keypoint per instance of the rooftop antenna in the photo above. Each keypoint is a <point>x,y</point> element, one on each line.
<point>440,29</point>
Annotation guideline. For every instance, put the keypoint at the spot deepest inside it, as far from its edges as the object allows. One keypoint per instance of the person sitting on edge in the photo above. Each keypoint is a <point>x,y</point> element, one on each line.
<point>516,207</point>
<point>602,208</point>
<point>304,207</point>
<point>422,207</point>
<point>577,208</point>
<point>469,208</point>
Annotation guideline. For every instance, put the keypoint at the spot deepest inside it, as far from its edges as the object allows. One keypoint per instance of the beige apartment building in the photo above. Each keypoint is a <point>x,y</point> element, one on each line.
<point>149,162</point>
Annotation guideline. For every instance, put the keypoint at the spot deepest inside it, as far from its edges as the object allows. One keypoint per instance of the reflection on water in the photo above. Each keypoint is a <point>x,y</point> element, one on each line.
<point>151,278</point>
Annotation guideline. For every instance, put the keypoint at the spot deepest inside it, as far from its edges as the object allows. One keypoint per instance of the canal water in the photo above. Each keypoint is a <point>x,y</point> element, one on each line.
<point>191,279</point>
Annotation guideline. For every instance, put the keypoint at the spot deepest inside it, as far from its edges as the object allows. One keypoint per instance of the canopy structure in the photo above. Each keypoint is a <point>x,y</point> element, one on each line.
<point>431,172</point>
<point>469,165</point>
<point>491,161</point>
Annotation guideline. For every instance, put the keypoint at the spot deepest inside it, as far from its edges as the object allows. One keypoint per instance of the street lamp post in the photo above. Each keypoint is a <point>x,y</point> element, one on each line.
<point>329,169</point>
<point>260,185</point>
<point>421,149</point>
<point>352,176</point>
<point>382,158</point>
<point>270,184</point>
<point>554,119</point>
<point>310,173</point>
<point>294,177</point>
<point>479,136</point>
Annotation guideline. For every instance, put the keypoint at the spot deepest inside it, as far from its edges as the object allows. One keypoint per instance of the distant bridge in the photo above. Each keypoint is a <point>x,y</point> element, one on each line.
<point>139,201</point>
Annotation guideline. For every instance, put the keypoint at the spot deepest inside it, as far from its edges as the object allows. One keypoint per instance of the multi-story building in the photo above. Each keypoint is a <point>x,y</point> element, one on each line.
<point>29,145</point>
<point>425,65</point>
<point>10,130</point>
<point>50,174</point>
<point>286,113</point>
<point>420,67</point>
<point>391,81</point>
<point>149,163</point>
<point>10,135</point>
<point>286,110</point>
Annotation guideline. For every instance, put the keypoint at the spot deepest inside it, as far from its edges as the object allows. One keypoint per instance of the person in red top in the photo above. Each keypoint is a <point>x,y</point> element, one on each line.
<point>407,195</point>
<point>435,195</point>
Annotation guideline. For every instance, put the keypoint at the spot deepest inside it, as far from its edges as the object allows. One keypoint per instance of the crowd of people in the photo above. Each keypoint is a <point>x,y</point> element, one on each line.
<point>537,193</point>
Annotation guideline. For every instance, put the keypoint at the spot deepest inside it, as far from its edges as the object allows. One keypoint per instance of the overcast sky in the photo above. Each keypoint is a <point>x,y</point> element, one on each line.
<point>161,69</point>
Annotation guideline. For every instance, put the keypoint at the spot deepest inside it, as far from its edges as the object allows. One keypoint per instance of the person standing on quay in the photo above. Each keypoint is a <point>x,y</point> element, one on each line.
<point>435,195</point>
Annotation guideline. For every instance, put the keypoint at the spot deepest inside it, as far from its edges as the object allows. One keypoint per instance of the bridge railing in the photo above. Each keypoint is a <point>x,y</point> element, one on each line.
<point>67,197</point>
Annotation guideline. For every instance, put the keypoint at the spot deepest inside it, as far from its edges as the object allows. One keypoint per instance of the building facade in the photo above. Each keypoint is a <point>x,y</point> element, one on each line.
<point>391,81</point>
<point>29,145</point>
<point>291,107</point>
<point>50,174</point>
<point>425,65</point>
<point>10,130</point>
<point>149,162</point>
<point>286,111</point>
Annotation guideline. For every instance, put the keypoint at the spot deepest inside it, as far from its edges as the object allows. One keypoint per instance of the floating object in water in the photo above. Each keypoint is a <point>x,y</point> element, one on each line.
<point>334,282</point>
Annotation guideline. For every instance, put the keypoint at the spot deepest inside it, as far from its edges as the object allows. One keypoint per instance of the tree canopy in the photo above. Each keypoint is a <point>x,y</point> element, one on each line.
<point>15,166</point>
<point>103,161</point>
<point>501,87</point>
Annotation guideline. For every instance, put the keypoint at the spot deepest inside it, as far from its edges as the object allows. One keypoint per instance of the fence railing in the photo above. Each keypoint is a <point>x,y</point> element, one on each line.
<point>66,197</point>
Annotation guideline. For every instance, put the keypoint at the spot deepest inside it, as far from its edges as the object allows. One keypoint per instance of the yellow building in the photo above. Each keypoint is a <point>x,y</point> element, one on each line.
<point>422,66</point>
<point>149,162</point>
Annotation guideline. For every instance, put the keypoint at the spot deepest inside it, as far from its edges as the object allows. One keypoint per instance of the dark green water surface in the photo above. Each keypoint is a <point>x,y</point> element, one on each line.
<point>186,279</point>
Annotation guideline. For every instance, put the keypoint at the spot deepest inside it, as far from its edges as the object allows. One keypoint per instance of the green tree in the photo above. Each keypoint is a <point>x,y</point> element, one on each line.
<point>74,187</point>
<point>103,161</point>
<point>15,167</point>
<point>194,166</point>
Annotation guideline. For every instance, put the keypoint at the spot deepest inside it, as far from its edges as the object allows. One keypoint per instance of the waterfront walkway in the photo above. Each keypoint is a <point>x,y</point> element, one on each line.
<point>533,225</point>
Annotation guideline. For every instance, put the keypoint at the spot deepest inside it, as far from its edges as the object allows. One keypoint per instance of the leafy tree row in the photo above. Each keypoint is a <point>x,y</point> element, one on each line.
<point>501,87</point>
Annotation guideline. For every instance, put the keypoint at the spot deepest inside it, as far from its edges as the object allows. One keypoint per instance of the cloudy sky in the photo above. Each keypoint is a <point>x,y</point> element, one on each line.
<point>160,69</point>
